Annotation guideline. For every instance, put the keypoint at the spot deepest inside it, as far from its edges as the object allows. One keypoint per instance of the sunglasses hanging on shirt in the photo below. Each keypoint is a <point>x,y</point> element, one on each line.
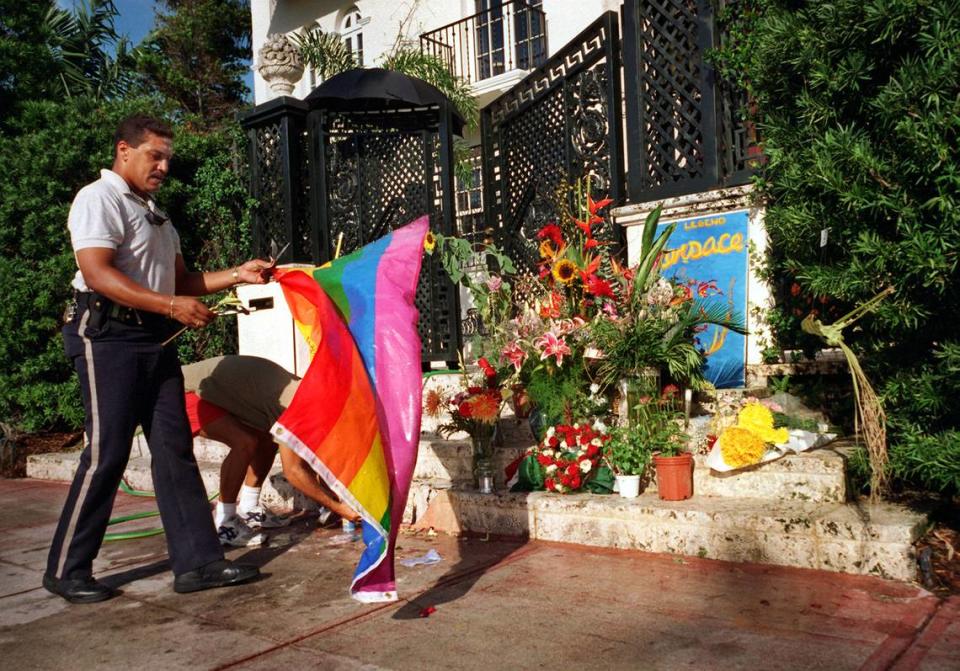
<point>155,215</point>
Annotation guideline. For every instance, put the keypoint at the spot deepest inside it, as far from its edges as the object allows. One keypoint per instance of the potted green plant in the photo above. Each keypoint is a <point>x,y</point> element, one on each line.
<point>658,424</point>
<point>656,319</point>
<point>628,455</point>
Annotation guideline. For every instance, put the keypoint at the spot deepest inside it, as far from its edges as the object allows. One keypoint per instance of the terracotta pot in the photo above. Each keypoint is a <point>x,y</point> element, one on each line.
<point>674,477</point>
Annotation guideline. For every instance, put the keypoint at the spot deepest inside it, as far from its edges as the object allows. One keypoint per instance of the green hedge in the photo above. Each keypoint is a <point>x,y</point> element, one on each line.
<point>859,106</point>
<point>49,151</point>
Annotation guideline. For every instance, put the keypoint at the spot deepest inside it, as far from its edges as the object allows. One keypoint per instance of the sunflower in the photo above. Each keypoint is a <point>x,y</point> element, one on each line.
<point>741,447</point>
<point>430,241</point>
<point>564,271</point>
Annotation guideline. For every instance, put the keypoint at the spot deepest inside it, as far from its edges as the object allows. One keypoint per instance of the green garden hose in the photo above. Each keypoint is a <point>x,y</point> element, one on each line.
<point>141,533</point>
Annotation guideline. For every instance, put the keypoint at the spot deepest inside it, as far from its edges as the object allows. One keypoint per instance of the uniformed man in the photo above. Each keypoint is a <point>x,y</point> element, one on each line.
<point>132,292</point>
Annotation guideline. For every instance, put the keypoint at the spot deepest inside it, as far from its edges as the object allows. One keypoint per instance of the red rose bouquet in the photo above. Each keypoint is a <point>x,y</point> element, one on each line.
<point>568,458</point>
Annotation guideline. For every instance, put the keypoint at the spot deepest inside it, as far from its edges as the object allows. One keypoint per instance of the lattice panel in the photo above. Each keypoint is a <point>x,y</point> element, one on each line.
<point>671,95</point>
<point>553,128</point>
<point>380,178</point>
<point>269,187</point>
<point>303,231</point>
<point>394,180</point>
<point>343,193</point>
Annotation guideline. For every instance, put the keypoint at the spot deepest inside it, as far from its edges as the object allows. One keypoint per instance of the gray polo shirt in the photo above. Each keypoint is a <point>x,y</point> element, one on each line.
<point>107,213</point>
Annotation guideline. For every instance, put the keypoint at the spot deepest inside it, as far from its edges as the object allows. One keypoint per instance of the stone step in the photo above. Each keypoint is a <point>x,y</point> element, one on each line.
<point>860,539</point>
<point>61,466</point>
<point>788,512</point>
<point>814,476</point>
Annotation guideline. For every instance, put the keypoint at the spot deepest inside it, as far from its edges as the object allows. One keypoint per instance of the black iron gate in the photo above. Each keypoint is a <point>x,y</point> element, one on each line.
<point>560,123</point>
<point>378,172</point>
<point>325,179</point>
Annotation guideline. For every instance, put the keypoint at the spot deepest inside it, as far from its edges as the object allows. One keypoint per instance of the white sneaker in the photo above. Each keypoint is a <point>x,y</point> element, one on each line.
<point>324,516</point>
<point>235,533</point>
<point>263,518</point>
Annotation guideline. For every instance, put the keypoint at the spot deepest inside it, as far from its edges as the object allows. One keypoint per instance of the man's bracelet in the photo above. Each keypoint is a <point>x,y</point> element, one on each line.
<point>170,312</point>
<point>236,275</point>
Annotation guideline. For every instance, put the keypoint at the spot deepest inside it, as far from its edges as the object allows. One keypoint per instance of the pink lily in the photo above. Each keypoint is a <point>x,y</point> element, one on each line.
<point>514,354</point>
<point>551,345</point>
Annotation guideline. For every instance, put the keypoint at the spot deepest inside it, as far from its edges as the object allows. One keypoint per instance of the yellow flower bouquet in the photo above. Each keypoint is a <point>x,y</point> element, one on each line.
<point>754,439</point>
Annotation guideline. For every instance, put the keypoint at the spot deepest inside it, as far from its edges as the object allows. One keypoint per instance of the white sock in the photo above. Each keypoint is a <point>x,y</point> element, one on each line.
<point>224,512</point>
<point>249,499</point>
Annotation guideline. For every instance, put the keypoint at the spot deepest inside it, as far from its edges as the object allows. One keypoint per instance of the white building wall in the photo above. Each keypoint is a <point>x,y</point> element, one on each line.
<point>387,21</point>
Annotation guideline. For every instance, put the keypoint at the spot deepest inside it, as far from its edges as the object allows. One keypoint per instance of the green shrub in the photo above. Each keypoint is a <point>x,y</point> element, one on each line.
<point>859,108</point>
<point>49,152</point>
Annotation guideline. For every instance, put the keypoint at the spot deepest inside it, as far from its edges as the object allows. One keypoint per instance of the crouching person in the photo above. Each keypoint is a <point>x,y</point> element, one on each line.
<point>235,400</point>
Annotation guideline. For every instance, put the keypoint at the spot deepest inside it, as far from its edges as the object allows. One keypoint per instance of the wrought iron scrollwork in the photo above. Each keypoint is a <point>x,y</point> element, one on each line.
<point>560,123</point>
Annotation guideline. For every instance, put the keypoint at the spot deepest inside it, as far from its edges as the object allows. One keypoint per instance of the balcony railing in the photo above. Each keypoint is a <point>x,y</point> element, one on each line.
<point>508,36</point>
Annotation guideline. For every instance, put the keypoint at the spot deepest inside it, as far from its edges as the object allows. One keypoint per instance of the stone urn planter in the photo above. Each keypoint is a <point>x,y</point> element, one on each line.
<point>674,476</point>
<point>279,63</point>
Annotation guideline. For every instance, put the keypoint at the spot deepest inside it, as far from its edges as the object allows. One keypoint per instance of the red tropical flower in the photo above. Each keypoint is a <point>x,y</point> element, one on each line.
<point>598,287</point>
<point>488,371</point>
<point>553,233</point>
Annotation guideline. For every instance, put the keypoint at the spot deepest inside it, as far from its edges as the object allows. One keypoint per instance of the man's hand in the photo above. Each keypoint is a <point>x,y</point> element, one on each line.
<point>256,271</point>
<point>190,312</point>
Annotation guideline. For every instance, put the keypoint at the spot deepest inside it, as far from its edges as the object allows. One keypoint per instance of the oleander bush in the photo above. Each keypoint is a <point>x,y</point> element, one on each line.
<point>858,105</point>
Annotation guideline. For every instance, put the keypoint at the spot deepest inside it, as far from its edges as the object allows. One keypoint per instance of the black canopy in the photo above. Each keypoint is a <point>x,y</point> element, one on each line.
<point>371,89</point>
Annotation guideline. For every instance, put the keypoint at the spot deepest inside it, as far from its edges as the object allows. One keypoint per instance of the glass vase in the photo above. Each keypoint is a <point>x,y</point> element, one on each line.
<point>483,460</point>
<point>644,383</point>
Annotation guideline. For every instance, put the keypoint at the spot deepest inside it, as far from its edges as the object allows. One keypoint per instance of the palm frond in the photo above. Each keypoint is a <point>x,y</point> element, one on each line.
<point>429,68</point>
<point>325,52</point>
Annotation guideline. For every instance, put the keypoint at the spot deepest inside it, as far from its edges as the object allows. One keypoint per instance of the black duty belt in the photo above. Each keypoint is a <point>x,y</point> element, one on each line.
<point>98,303</point>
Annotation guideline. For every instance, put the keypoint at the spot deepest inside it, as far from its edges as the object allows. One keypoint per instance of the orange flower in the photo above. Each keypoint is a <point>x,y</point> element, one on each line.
<point>484,408</point>
<point>433,403</point>
<point>547,250</point>
<point>430,241</point>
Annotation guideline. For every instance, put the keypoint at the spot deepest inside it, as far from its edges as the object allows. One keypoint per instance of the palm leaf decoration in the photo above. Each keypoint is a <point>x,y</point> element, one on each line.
<point>868,410</point>
<point>325,52</point>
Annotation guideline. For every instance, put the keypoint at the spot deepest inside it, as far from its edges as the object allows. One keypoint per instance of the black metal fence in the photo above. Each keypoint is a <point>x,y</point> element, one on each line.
<point>686,130</point>
<point>562,122</point>
<point>326,180</point>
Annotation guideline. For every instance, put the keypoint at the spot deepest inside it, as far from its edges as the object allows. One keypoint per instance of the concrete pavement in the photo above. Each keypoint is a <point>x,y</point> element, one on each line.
<point>499,604</point>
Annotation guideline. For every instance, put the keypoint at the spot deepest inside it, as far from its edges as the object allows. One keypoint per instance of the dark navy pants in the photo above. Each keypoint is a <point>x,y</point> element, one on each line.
<point>127,379</point>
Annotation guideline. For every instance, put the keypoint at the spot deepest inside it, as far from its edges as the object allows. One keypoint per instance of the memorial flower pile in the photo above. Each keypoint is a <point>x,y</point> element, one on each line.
<point>474,410</point>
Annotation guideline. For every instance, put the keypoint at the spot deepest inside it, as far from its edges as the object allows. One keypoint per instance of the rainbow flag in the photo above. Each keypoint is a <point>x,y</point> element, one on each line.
<point>356,416</point>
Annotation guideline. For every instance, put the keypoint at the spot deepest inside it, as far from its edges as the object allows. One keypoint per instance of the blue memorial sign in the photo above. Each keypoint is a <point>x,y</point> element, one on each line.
<point>713,249</point>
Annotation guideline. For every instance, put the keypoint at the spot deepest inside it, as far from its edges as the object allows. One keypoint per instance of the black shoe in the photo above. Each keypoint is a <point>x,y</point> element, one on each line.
<point>78,590</point>
<point>215,574</point>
